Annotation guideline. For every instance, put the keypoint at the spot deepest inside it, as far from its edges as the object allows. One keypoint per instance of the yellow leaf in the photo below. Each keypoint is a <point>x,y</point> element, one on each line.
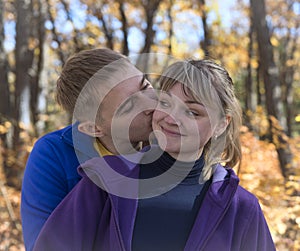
<point>281,228</point>
<point>274,41</point>
<point>91,41</point>
<point>3,129</point>
<point>7,124</point>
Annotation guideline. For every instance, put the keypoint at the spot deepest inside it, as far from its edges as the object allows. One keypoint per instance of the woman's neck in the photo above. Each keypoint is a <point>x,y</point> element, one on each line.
<point>186,157</point>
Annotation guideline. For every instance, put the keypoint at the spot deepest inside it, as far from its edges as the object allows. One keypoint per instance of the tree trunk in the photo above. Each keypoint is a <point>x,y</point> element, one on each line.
<point>23,59</point>
<point>287,52</point>
<point>150,8</point>
<point>5,111</point>
<point>4,88</point>
<point>289,100</point>
<point>290,72</point>
<point>258,85</point>
<point>272,85</point>
<point>249,90</point>
<point>206,42</point>
<point>125,49</point>
<point>35,78</point>
<point>170,27</point>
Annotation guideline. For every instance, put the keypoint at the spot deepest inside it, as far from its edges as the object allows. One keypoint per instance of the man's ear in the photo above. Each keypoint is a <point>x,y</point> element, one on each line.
<point>91,129</point>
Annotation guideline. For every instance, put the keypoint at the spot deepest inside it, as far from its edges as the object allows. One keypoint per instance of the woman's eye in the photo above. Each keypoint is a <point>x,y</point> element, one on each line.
<point>192,113</point>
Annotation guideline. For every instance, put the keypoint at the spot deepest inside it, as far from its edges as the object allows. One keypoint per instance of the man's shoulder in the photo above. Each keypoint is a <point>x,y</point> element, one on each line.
<point>57,134</point>
<point>53,152</point>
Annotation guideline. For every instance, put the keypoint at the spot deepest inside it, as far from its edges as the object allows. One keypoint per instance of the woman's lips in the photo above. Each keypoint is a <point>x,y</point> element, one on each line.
<point>171,132</point>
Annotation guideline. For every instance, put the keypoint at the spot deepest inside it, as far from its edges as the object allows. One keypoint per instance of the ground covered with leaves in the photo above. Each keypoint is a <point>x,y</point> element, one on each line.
<point>279,198</point>
<point>259,173</point>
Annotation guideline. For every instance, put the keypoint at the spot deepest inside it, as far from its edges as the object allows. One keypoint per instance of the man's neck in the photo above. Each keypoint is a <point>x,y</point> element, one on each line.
<point>122,147</point>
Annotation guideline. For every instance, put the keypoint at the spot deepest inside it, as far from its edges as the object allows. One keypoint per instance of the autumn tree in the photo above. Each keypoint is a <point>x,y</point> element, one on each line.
<point>249,83</point>
<point>286,33</point>
<point>23,59</point>
<point>5,108</point>
<point>4,88</point>
<point>38,43</point>
<point>271,84</point>
<point>54,32</point>
<point>122,10</point>
<point>150,8</point>
<point>206,42</point>
<point>96,9</point>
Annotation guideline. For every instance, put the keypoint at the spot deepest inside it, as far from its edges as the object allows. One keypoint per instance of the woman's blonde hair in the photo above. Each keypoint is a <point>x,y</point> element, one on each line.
<point>210,84</point>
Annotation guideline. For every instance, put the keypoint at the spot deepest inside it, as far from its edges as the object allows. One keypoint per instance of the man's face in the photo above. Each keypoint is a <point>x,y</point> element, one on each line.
<point>126,112</point>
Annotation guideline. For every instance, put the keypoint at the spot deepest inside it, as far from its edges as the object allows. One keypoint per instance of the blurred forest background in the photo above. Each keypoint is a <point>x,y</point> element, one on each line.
<point>256,40</point>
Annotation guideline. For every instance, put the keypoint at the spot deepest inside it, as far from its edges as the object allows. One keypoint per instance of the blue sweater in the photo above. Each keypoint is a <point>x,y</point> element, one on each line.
<point>50,174</point>
<point>165,221</point>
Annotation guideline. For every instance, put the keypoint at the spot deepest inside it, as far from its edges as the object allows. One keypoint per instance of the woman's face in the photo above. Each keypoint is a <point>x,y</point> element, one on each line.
<point>181,124</point>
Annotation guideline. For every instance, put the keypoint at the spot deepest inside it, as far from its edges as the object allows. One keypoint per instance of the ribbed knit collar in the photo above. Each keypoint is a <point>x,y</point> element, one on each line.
<point>178,168</point>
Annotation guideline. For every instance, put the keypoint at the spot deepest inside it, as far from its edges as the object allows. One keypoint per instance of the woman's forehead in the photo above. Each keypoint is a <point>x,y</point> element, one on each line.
<point>184,90</point>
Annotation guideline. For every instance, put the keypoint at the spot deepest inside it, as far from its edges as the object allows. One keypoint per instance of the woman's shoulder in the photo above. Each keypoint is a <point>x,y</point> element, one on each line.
<point>241,197</point>
<point>245,196</point>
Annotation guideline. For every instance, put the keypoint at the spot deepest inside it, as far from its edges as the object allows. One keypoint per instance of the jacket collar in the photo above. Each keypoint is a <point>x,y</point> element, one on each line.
<point>116,174</point>
<point>219,174</point>
<point>214,207</point>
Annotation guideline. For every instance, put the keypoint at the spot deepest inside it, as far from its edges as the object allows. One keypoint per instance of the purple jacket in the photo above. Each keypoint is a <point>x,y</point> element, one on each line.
<point>230,218</point>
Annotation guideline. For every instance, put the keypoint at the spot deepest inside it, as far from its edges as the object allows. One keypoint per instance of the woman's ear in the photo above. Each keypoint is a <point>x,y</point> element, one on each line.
<point>91,129</point>
<point>222,126</point>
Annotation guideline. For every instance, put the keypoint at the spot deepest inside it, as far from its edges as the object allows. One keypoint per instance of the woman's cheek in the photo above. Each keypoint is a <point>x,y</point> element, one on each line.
<point>157,115</point>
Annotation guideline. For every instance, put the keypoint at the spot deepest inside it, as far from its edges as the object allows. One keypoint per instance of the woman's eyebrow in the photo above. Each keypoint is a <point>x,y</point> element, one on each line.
<point>186,101</point>
<point>193,102</point>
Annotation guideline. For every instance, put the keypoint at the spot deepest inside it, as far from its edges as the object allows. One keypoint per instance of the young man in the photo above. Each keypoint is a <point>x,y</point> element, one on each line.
<point>92,85</point>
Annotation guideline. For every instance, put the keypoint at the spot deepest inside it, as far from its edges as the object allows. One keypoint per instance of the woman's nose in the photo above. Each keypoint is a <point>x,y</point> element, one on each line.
<point>172,119</point>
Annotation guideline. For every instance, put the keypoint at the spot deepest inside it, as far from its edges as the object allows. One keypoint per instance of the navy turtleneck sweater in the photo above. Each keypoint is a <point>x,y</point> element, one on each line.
<point>164,222</point>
